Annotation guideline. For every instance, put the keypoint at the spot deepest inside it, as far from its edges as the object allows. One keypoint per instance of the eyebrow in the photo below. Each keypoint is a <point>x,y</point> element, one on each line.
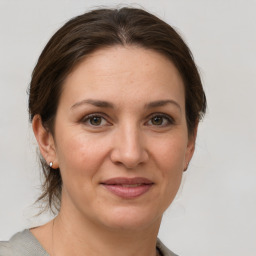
<point>97,103</point>
<point>106,104</point>
<point>161,103</point>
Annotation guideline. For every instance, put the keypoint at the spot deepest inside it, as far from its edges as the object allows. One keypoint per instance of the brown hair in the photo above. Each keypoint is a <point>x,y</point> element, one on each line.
<point>94,30</point>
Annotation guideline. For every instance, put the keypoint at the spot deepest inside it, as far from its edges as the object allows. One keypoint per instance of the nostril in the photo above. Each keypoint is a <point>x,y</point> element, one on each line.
<point>128,147</point>
<point>129,161</point>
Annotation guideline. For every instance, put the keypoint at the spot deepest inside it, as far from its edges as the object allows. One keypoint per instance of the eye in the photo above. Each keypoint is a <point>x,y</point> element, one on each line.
<point>157,120</point>
<point>95,120</point>
<point>161,120</point>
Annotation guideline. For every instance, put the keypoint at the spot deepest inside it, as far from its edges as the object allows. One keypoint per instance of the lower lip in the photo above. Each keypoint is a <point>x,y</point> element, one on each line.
<point>128,192</point>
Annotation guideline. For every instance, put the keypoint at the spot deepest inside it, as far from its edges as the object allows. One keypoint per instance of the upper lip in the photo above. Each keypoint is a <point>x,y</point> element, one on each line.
<point>127,181</point>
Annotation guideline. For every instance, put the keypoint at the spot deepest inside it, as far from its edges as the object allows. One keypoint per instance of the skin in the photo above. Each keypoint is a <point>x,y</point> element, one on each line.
<point>142,134</point>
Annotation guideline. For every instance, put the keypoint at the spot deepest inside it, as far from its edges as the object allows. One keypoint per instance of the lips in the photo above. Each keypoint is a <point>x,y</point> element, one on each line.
<point>128,187</point>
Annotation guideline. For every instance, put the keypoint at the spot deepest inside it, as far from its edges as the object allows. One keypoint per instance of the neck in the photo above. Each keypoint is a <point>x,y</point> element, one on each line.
<point>78,236</point>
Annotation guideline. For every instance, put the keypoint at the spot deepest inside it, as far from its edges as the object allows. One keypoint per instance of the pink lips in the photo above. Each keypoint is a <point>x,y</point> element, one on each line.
<point>128,187</point>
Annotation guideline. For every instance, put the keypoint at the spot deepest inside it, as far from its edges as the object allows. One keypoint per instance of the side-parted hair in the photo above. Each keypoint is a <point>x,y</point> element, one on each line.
<point>95,30</point>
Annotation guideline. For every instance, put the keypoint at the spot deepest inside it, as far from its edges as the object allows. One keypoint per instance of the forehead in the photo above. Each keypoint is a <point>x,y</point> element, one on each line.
<point>126,74</point>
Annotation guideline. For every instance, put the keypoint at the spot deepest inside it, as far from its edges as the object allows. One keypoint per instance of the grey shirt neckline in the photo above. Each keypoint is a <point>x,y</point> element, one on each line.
<point>22,244</point>
<point>25,244</point>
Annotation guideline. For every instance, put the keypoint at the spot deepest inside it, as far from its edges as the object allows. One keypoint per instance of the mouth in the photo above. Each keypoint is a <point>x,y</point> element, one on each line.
<point>128,188</point>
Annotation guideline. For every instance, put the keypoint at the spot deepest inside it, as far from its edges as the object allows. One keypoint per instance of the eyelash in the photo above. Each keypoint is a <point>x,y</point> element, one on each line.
<point>169,120</point>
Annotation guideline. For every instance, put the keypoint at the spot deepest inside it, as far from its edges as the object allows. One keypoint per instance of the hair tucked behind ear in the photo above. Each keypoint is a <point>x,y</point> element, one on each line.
<point>87,33</point>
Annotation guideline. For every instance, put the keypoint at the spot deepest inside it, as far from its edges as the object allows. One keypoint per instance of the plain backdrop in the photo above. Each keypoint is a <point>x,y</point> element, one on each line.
<point>214,213</point>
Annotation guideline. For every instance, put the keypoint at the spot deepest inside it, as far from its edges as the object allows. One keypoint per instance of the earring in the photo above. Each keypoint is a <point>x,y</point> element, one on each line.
<point>50,164</point>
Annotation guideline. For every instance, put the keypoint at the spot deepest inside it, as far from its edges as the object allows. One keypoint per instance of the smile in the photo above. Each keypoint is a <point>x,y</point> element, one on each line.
<point>128,188</point>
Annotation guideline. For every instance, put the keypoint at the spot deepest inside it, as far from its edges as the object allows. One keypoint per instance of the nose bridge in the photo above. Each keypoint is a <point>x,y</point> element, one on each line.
<point>129,147</point>
<point>131,140</point>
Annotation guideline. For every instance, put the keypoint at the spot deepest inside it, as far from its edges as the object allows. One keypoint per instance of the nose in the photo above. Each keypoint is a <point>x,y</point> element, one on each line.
<point>128,147</point>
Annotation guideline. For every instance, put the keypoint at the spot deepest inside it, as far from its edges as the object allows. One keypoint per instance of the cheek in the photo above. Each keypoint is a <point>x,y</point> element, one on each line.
<point>80,155</point>
<point>170,154</point>
<point>170,159</point>
<point>80,159</point>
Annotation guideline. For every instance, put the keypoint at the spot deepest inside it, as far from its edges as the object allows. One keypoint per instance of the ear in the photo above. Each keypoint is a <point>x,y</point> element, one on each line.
<point>45,141</point>
<point>190,147</point>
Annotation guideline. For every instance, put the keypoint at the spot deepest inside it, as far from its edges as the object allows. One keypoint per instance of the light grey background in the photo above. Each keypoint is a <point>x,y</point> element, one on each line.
<point>215,212</point>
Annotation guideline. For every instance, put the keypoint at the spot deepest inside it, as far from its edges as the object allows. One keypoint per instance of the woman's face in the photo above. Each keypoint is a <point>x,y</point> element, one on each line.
<point>121,139</point>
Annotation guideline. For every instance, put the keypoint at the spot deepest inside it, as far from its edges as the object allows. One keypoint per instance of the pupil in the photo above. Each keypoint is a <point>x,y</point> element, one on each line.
<point>157,120</point>
<point>95,120</point>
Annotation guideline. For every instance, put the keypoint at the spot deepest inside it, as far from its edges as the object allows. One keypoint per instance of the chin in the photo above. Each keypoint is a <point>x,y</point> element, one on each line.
<point>132,219</point>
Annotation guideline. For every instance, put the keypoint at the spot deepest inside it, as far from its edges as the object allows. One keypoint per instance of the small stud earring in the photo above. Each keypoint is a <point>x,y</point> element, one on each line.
<point>50,164</point>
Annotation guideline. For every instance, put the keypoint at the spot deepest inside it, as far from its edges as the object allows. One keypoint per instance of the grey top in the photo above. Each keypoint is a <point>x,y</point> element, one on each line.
<point>25,244</point>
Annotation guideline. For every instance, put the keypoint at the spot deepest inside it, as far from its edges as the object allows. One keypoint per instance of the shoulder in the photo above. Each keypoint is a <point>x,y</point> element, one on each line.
<point>163,249</point>
<point>22,244</point>
<point>5,249</point>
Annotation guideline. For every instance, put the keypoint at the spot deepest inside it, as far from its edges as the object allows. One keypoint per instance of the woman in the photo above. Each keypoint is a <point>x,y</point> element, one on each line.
<point>115,100</point>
